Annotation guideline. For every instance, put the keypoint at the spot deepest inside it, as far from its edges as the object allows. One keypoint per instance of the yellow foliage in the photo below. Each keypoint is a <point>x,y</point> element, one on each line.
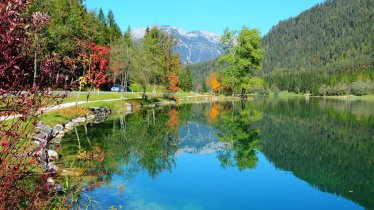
<point>213,113</point>
<point>213,82</point>
<point>82,82</point>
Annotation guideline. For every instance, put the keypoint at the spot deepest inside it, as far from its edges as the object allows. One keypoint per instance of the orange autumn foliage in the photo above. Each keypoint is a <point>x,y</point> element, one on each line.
<point>213,83</point>
<point>173,118</point>
<point>173,82</point>
<point>213,113</point>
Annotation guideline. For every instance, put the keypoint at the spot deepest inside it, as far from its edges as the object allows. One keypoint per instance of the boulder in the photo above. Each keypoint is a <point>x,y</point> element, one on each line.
<point>79,120</point>
<point>41,135</point>
<point>45,128</point>
<point>52,167</point>
<point>58,128</point>
<point>40,142</point>
<point>90,117</point>
<point>100,110</point>
<point>50,181</point>
<point>52,155</point>
<point>70,125</point>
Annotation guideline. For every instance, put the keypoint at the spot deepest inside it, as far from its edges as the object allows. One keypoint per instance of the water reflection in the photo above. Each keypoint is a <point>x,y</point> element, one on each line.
<point>236,128</point>
<point>327,144</point>
<point>330,144</point>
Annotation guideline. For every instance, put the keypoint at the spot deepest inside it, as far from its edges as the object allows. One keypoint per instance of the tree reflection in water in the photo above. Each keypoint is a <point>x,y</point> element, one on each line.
<point>327,144</point>
<point>149,139</point>
<point>235,127</point>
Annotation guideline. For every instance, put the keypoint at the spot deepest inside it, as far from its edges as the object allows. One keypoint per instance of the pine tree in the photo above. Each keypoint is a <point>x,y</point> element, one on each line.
<point>185,78</point>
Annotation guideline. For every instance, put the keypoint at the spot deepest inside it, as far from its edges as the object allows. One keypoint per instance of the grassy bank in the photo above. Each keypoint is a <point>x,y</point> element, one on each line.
<point>94,96</point>
<point>286,94</point>
<point>64,115</point>
<point>369,98</point>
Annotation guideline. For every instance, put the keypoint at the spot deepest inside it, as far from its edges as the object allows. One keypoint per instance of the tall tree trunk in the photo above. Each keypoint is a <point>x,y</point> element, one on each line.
<point>35,60</point>
<point>89,76</point>
<point>243,93</point>
<point>121,86</point>
<point>243,105</point>
<point>124,85</point>
<point>144,89</point>
<point>79,92</point>
<point>154,117</point>
<point>154,89</point>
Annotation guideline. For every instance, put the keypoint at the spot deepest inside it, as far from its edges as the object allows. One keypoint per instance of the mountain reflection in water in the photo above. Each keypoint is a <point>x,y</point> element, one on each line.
<point>264,154</point>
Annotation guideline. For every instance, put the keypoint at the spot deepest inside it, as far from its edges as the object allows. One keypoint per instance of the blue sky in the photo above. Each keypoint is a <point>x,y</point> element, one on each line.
<point>209,15</point>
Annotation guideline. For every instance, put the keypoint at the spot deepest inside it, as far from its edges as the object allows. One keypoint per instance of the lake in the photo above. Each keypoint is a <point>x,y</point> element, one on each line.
<point>268,153</point>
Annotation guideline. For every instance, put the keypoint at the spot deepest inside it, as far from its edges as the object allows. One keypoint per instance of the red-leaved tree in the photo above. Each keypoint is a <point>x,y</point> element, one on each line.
<point>95,60</point>
<point>21,100</point>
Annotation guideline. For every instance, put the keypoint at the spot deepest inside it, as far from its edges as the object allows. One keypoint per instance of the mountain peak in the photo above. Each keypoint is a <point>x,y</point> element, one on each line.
<point>194,47</point>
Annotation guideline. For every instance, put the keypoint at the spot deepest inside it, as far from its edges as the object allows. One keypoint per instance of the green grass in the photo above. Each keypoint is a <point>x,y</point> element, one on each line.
<point>287,94</point>
<point>62,116</point>
<point>94,96</point>
<point>352,97</point>
<point>54,118</point>
<point>345,97</point>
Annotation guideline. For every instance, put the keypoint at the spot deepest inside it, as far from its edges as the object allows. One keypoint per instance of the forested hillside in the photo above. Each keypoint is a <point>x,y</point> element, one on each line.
<point>77,39</point>
<point>71,22</point>
<point>331,44</point>
<point>93,53</point>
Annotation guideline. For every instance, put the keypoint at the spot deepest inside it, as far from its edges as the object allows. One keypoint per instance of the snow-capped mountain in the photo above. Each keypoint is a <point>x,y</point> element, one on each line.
<point>194,47</point>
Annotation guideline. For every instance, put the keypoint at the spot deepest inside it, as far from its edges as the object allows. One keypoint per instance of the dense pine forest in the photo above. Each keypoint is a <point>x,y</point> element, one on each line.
<point>327,50</point>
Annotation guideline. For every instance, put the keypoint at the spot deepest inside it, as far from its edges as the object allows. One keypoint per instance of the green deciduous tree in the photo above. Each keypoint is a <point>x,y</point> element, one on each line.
<point>243,55</point>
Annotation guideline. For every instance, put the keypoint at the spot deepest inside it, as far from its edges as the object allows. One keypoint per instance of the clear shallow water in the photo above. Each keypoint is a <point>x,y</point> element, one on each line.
<point>266,154</point>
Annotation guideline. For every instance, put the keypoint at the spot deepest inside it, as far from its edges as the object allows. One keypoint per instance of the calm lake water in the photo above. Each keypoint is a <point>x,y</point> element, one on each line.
<point>269,153</point>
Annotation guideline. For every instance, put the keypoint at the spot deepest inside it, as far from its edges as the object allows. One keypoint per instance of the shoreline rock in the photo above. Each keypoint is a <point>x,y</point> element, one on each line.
<point>46,136</point>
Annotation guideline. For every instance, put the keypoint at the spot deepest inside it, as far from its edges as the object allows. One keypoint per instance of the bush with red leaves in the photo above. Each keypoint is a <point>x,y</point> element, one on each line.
<point>19,187</point>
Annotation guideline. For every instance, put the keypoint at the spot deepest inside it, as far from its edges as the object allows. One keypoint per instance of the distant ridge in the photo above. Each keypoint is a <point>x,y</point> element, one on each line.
<point>194,47</point>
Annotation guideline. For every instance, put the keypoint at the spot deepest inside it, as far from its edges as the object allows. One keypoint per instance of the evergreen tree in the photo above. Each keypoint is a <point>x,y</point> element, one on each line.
<point>114,30</point>
<point>185,79</point>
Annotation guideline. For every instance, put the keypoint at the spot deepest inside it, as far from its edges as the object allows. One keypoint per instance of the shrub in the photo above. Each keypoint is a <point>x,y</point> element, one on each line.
<point>275,89</point>
<point>341,89</point>
<point>362,88</point>
<point>323,90</point>
<point>136,87</point>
